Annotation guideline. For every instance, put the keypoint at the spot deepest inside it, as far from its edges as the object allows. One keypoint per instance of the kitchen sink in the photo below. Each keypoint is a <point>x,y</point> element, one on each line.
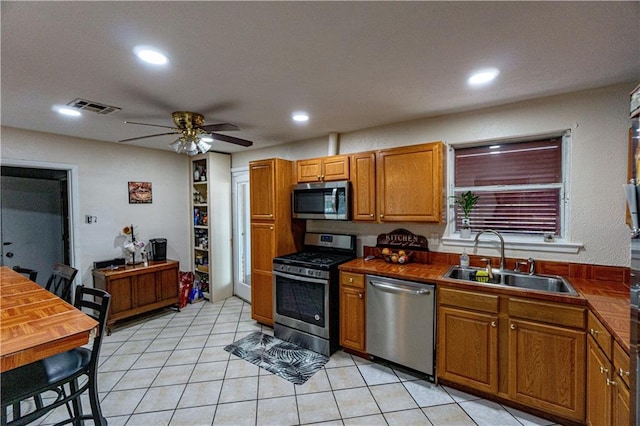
<point>545,283</point>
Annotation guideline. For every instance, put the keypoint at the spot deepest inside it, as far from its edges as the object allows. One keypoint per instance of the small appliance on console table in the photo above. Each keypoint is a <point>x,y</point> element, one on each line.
<point>306,291</point>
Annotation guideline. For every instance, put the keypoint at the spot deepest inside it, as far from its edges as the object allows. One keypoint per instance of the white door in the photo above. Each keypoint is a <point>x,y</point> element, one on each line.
<point>241,235</point>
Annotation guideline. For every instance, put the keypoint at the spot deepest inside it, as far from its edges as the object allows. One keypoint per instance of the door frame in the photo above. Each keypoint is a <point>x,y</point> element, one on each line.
<point>74,209</point>
<point>239,175</point>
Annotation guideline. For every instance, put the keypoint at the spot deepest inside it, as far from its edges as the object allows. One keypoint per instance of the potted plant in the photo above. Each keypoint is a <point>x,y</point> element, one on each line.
<point>466,201</point>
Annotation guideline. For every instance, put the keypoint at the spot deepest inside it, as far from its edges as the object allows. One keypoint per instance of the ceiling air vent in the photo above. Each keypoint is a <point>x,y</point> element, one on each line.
<point>96,107</point>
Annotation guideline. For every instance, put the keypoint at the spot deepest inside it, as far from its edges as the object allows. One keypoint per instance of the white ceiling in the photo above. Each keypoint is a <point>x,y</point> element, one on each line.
<point>350,65</point>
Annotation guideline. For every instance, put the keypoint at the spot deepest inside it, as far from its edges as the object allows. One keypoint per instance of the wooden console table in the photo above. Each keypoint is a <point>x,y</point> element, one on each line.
<point>138,289</point>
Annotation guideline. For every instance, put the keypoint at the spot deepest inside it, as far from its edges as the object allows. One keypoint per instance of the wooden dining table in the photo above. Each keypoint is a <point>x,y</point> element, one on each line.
<point>35,323</point>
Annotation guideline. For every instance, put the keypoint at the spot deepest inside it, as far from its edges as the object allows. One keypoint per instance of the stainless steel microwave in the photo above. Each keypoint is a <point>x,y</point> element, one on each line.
<point>322,200</point>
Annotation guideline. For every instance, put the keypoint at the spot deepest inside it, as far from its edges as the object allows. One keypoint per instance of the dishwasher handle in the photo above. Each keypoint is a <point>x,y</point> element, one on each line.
<point>400,289</point>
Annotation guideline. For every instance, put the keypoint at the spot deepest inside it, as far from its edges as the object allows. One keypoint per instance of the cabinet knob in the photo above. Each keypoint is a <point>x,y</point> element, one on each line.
<point>271,228</point>
<point>322,177</point>
<point>493,324</point>
<point>319,177</point>
<point>603,370</point>
<point>593,332</point>
<point>371,215</point>
<point>611,382</point>
<point>351,279</point>
<point>270,214</point>
<point>360,295</point>
<point>512,326</point>
<point>623,373</point>
<point>381,216</point>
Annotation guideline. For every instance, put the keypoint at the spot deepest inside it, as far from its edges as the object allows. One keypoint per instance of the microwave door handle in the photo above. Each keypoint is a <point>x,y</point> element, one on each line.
<point>334,203</point>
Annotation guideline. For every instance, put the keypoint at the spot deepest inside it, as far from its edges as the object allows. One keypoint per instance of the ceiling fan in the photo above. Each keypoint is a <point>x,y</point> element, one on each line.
<point>191,127</point>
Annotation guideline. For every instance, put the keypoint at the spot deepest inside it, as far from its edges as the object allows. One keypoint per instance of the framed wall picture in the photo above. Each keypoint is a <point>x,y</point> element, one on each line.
<point>140,193</point>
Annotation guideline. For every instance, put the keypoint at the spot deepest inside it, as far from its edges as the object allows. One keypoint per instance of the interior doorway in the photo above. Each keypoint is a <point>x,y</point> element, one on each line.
<point>241,235</point>
<point>35,225</point>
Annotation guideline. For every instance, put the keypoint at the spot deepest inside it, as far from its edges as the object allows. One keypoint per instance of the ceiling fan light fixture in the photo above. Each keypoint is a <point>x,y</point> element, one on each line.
<point>177,146</point>
<point>203,145</point>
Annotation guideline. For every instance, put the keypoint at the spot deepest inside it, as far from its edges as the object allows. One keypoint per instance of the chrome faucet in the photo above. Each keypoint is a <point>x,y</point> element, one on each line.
<point>532,266</point>
<point>491,231</point>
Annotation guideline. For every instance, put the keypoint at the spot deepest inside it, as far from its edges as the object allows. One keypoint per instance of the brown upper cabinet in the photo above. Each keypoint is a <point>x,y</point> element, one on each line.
<point>399,184</point>
<point>324,169</point>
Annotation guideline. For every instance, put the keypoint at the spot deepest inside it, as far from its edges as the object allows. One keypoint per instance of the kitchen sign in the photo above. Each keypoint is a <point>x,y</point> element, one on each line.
<point>403,239</point>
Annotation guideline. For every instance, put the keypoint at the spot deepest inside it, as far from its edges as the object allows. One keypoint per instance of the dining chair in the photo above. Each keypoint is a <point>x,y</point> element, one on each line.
<point>61,281</point>
<point>57,371</point>
<point>32,274</point>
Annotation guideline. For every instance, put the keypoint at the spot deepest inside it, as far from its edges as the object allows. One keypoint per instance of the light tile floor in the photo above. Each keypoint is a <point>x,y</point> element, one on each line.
<point>170,368</point>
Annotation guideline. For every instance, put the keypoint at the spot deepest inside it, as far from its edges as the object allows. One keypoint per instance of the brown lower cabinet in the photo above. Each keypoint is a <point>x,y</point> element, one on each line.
<point>139,289</point>
<point>353,311</point>
<point>528,352</point>
<point>607,379</point>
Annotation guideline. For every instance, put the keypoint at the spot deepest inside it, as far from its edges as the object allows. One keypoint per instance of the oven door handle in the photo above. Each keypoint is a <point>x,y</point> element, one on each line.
<point>396,289</point>
<point>300,277</point>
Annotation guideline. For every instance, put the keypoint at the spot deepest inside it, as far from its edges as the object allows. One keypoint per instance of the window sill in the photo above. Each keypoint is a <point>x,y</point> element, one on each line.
<point>515,243</point>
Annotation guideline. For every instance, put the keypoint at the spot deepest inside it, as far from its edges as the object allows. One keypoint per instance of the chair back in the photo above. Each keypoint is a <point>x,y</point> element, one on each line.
<point>61,281</point>
<point>95,303</point>
<point>32,274</point>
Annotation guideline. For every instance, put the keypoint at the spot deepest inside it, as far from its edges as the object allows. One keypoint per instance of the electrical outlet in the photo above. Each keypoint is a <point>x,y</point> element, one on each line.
<point>91,219</point>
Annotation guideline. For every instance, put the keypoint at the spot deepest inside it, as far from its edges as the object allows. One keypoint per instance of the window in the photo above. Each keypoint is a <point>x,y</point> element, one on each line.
<point>520,186</point>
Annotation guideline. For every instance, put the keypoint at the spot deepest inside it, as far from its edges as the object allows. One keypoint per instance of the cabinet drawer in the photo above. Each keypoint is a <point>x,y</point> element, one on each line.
<point>621,363</point>
<point>551,313</point>
<point>468,299</point>
<point>600,334</point>
<point>352,280</point>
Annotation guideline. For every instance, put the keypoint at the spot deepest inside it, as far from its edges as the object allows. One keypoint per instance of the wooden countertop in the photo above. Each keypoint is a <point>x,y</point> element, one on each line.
<point>608,300</point>
<point>35,323</point>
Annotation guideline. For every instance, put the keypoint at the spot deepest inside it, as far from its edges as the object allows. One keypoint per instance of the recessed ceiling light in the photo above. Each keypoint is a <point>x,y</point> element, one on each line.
<point>67,111</point>
<point>483,76</point>
<point>300,117</point>
<point>150,55</point>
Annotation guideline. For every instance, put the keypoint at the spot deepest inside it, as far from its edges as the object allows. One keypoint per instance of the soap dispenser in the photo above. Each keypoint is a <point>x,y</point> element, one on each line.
<point>464,259</point>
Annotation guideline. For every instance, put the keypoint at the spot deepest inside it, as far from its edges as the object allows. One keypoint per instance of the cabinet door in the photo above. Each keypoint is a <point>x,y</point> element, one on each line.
<point>263,247</point>
<point>468,348</point>
<point>262,297</point>
<point>262,184</point>
<point>168,284</point>
<point>309,170</point>
<point>409,183</point>
<point>335,168</point>
<point>145,291</point>
<point>363,181</point>
<point>621,411</point>
<point>352,318</point>
<point>547,368</point>
<point>598,393</point>
<point>121,291</point>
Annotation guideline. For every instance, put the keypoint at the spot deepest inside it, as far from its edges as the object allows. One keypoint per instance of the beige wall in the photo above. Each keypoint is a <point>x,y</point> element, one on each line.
<point>103,171</point>
<point>597,118</point>
<point>599,123</point>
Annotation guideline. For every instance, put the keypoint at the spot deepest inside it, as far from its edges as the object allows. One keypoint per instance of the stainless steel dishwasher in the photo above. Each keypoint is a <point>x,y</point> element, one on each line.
<point>401,321</point>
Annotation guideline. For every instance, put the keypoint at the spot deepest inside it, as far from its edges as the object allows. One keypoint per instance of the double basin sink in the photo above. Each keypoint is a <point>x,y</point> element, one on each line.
<point>511,279</point>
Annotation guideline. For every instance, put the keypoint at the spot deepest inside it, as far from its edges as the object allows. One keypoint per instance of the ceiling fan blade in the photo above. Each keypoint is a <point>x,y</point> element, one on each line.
<point>152,125</point>
<point>231,139</point>
<point>149,136</point>
<point>220,127</point>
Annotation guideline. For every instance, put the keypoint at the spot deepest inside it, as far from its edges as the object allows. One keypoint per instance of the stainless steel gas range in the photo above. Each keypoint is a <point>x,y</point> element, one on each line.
<point>306,291</point>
